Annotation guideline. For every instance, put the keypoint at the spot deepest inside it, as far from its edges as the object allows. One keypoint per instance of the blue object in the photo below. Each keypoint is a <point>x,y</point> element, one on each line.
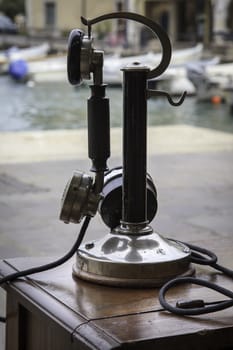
<point>18,69</point>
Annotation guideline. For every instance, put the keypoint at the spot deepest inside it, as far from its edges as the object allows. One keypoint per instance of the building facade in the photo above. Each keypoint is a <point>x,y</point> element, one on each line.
<point>184,20</point>
<point>57,16</point>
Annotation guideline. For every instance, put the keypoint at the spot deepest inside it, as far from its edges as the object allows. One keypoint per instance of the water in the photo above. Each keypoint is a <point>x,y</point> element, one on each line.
<point>60,106</point>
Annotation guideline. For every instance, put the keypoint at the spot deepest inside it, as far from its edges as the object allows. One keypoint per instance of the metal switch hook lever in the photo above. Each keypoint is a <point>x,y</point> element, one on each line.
<point>153,26</point>
<point>163,38</point>
<point>152,93</point>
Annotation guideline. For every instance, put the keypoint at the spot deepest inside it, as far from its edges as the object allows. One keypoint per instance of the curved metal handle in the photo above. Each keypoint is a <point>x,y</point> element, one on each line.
<point>156,29</point>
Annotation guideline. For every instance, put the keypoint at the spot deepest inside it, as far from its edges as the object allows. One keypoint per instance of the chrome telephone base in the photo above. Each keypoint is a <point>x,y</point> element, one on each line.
<point>136,261</point>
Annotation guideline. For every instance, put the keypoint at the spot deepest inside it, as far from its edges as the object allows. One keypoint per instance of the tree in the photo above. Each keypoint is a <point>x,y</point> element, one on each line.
<point>12,8</point>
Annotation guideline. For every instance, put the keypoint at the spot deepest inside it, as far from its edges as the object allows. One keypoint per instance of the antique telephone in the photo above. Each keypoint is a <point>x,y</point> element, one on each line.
<point>131,254</point>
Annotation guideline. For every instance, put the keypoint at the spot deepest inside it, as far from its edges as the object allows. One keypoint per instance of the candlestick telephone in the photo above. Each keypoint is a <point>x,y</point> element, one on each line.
<point>131,253</point>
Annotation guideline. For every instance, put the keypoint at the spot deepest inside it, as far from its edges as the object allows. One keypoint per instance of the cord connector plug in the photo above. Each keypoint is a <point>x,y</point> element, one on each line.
<point>190,304</point>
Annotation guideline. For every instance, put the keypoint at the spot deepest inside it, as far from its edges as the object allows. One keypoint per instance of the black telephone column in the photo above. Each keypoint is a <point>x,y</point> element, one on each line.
<point>134,144</point>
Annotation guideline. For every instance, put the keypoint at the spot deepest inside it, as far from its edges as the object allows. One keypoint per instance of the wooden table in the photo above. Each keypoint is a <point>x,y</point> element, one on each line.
<point>53,311</point>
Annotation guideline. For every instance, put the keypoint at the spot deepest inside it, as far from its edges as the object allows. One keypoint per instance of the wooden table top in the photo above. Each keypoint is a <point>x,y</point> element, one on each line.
<point>111,317</point>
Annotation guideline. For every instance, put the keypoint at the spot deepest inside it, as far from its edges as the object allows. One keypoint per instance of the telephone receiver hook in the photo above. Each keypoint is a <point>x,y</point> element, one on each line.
<point>151,93</point>
<point>153,26</point>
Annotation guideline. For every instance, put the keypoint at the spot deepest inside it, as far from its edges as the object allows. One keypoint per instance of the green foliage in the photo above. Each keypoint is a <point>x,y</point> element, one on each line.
<point>12,7</point>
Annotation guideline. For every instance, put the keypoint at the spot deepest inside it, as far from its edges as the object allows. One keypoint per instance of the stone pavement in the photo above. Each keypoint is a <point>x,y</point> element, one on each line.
<point>191,167</point>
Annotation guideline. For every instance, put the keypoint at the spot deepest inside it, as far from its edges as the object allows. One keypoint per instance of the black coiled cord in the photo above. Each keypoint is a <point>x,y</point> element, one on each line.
<point>199,256</point>
<point>52,265</point>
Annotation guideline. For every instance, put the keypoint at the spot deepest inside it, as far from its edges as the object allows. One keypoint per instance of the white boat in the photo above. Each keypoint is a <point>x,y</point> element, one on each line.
<point>221,73</point>
<point>113,64</point>
<point>27,54</point>
<point>50,69</point>
<point>54,69</point>
<point>30,53</point>
<point>211,80</point>
<point>174,81</point>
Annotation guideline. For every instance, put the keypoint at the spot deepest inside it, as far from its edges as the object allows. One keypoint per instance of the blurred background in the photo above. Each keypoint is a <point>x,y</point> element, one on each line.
<point>33,43</point>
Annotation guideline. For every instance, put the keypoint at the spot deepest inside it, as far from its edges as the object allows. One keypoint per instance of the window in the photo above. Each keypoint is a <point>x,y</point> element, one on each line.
<point>50,14</point>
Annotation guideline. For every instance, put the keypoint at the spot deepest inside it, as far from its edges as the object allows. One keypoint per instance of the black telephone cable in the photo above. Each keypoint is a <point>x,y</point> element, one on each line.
<point>52,265</point>
<point>199,256</point>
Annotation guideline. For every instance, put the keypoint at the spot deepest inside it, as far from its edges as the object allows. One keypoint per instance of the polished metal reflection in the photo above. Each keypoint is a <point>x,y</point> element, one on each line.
<point>133,261</point>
